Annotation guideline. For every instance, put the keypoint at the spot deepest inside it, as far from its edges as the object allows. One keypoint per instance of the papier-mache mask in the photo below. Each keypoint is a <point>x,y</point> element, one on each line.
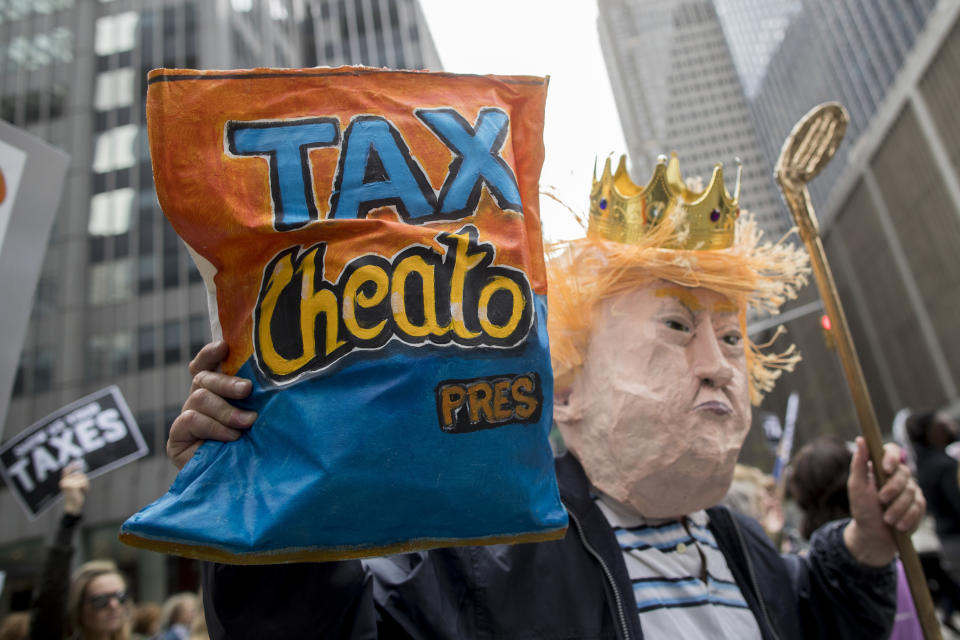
<point>371,243</point>
<point>648,337</point>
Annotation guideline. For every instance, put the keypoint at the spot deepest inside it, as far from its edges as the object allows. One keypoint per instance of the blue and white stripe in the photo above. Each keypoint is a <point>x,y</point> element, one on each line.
<point>681,581</point>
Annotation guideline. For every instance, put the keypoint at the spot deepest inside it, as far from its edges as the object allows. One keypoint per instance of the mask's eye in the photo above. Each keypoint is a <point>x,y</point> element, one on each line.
<point>732,339</point>
<point>676,325</point>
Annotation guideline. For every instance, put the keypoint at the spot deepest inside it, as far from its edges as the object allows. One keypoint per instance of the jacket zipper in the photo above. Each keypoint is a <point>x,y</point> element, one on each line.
<point>607,573</point>
<point>753,578</point>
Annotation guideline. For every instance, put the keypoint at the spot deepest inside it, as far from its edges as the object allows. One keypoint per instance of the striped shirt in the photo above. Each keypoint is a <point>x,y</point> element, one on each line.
<point>681,581</point>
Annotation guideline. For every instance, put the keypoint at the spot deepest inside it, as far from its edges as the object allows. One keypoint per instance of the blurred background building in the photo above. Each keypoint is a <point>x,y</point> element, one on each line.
<point>677,89</point>
<point>119,301</point>
<point>888,203</point>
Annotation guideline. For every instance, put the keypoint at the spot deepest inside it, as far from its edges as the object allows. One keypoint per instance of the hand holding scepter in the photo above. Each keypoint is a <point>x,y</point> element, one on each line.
<point>807,149</point>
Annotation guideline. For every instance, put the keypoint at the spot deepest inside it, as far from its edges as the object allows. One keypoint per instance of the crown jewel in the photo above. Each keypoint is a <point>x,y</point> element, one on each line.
<point>624,212</point>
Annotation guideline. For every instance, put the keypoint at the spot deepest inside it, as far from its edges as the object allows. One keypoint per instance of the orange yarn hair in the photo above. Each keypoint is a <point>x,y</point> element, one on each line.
<point>752,274</point>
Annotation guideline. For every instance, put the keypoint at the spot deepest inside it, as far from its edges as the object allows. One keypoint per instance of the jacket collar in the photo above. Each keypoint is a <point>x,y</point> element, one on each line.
<point>572,478</point>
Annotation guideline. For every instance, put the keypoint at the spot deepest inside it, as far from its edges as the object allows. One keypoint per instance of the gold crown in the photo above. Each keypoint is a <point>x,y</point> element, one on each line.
<point>624,212</point>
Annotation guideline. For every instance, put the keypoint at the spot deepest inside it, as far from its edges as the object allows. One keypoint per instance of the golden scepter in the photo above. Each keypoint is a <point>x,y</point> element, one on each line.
<point>805,152</point>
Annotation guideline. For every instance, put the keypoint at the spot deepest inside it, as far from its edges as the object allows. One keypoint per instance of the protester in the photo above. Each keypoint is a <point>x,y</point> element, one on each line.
<point>93,603</point>
<point>819,478</point>
<point>656,375</point>
<point>99,606</point>
<point>754,493</point>
<point>146,619</point>
<point>179,611</point>
<point>15,626</point>
<point>48,619</point>
<point>818,482</point>
<point>198,629</point>
<point>930,433</point>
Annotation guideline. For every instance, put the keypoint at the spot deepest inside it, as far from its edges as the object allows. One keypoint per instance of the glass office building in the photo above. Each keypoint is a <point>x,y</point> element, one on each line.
<point>888,203</point>
<point>119,300</point>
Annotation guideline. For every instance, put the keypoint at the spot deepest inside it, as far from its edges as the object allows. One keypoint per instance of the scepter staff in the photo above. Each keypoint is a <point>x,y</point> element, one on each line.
<point>805,152</point>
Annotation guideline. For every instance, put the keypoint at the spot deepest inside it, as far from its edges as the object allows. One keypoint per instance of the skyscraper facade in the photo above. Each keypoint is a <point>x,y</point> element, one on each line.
<point>845,50</point>
<point>677,89</point>
<point>888,203</point>
<point>754,31</point>
<point>119,300</point>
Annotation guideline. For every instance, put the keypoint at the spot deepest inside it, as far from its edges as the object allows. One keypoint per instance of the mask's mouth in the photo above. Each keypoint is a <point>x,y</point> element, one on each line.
<point>715,407</point>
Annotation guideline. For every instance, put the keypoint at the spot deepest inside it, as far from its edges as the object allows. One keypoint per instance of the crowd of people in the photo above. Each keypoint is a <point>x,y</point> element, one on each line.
<point>814,491</point>
<point>94,601</point>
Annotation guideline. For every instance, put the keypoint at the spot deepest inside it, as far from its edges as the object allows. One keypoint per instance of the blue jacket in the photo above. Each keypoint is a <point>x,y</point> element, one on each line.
<point>576,587</point>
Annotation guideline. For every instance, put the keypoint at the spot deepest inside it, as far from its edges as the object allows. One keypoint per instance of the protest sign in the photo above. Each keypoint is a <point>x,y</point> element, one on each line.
<point>31,181</point>
<point>97,430</point>
<point>370,241</point>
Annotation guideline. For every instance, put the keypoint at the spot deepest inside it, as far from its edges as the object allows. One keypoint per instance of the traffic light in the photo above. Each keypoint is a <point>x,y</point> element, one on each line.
<point>827,327</point>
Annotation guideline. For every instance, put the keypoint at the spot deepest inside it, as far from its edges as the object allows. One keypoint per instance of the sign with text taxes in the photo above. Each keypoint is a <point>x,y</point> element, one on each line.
<point>97,430</point>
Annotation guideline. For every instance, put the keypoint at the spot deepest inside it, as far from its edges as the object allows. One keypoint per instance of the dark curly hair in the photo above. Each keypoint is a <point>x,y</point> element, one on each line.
<point>818,482</point>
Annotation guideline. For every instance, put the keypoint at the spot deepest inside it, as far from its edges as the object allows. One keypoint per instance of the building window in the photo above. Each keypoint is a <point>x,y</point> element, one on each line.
<point>146,274</point>
<point>193,274</point>
<point>116,148</point>
<point>109,355</point>
<point>111,281</point>
<point>171,270</point>
<point>37,52</point>
<point>199,330</point>
<point>147,422</point>
<point>146,347</point>
<point>169,415</point>
<point>18,380</point>
<point>114,89</point>
<point>19,9</point>
<point>171,341</point>
<point>145,230</point>
<point>110,212</point>
<point>43,369</point>
<point>116,33</point>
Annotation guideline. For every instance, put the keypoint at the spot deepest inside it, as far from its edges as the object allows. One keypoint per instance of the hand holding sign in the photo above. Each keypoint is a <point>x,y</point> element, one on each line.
<point>206,414</point>
<point>74,484</point>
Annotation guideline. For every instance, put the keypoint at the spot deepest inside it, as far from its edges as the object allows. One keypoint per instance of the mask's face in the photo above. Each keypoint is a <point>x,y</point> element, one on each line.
<point>661,407</point>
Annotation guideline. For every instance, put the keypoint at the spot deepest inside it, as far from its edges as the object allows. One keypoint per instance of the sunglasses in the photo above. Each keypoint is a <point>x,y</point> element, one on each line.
<point>103,601</point>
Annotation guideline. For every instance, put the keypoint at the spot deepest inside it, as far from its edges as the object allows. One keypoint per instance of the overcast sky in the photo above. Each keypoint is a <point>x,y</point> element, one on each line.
<point>542,37</point>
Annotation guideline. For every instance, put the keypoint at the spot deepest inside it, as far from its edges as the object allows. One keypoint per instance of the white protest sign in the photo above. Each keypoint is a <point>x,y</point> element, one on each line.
<point>31,183</point>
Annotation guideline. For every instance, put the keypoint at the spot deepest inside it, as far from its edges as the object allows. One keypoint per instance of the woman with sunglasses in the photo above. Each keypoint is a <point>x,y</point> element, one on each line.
<point>93,604</point>
<point>98,605</point>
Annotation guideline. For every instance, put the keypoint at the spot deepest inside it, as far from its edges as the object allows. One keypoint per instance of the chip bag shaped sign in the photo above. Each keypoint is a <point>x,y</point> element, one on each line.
<point>371,243</point>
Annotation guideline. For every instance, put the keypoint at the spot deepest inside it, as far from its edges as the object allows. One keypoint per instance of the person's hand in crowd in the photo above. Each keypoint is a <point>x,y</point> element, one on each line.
<point>73,486</point>
<point>207,414</point>
<point>898,504</point>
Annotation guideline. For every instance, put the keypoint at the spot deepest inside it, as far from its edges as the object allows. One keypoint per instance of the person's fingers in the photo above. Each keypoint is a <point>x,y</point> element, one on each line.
<point>900,503</point>
<point>212,405</point>
<point>180,454</point>
<point>76,480</point>
<point>221,384</point>
<point>892,458</point>
<point>209,357</point>
<point>895,484</point>
<point>911,519</point>
<point>71,467</point>
<point>860,474</point>
<point>189,431</point>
